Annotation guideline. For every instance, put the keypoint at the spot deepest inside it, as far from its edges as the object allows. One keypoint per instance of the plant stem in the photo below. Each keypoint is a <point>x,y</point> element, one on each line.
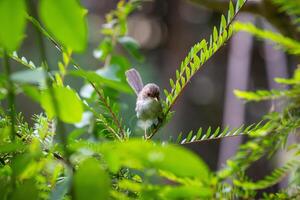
<point>117,122</point>
<point>41,44</point>
<point>10,96</point>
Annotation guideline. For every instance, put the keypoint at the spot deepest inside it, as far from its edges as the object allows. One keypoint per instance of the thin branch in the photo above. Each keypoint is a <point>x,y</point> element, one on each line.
<point>11,95</point>
<point>102,98</point>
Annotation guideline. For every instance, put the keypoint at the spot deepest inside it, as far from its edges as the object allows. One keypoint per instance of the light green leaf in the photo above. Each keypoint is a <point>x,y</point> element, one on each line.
<point>230,12</point>
<point>239,5</point>
<point>66,21</point>
<point>187,192</point>
<point>91,181</point>
<point>172,83</point>
<point>11,147</point>
<point>69,105</point>
<point>223,24</point>
<point>12,23</point>
<point>215,34</point>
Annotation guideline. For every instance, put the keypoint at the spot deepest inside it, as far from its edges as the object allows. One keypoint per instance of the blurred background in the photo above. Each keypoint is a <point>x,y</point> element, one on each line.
<point>166,30</point>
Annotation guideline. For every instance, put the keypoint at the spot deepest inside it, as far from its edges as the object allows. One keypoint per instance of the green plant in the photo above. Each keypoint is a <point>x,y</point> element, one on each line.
<point>80,147</point>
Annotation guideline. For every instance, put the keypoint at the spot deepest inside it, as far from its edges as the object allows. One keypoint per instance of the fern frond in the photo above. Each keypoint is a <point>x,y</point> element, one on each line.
<point>199,54</point>
<point>292,8</point>
<point>44,130</point>
<point>260,95</point>
<point>287,44</point>
<point>275,177</point>
<point>22,60</point>
<point>201,135</point>
<point>267,139</point>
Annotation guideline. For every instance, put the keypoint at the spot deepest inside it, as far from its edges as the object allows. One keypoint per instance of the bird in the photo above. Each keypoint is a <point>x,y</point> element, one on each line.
<point>148,106</point>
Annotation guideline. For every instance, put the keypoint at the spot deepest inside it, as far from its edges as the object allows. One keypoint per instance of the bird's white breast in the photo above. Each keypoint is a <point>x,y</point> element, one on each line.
<point>148,109</point>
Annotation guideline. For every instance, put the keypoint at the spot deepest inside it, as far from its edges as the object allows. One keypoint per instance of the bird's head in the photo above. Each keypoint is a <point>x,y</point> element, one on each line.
<point>151,91</point>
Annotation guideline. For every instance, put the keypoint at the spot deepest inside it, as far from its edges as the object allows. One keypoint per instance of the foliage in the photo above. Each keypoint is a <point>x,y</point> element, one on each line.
<point>79,146</point>
<point>291,8</point>
<point>290,45</point>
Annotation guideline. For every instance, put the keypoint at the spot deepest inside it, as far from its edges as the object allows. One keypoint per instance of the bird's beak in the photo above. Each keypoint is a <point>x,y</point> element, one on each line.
<point>156,99</point>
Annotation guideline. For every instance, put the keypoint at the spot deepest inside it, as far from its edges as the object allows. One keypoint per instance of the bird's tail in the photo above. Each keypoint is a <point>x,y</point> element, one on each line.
<point>134,79</point>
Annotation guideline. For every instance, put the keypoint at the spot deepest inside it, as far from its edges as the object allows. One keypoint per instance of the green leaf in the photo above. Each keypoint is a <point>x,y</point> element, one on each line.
<point>27,190</point>
<point>66,21</point>
<point>223,24</point>
<point>189,137</point>
<point>69,105</point>
<point>132,47</point>
<point>230,12</point>
<point>11,147</point>
<point>91,181</point>
<point>12,23</point>
<point>215,34</point>
<point>239,5</point>
<point>172,83</point>
<point>32,92</point>
<point>140,155</point>
<point>187,192</point>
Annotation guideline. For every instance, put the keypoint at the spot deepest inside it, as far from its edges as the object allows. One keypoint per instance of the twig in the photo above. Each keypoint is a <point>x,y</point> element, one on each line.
<point>102,98</point>
<point>11,95</point>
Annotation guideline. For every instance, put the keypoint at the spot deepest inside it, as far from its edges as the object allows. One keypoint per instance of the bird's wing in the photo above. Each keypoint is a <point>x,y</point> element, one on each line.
<point>134,79</point>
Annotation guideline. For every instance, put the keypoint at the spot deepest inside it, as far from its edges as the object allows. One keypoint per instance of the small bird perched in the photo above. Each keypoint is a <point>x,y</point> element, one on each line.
<point>148,106</point>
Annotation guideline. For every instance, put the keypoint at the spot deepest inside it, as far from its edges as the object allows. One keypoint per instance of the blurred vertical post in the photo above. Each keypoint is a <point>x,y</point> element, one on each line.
<point>276,65</point>
<point>237,78</point>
